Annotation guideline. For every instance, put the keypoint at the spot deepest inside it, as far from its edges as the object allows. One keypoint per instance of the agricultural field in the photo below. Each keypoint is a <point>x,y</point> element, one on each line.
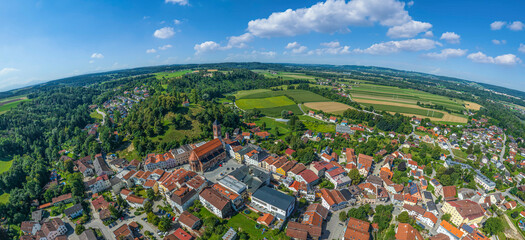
<point>169,75</point>
<point>299,96</point>
<point>269,102</point>
<point>9,103</point>
<point>328,107</point>
<point>404,101</point>
<point>284,75</point>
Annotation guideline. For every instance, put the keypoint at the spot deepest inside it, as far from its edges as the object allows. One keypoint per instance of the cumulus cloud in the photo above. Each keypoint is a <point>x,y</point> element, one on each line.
<point>410,45</point>
<point>497,25</point>
<point>409,29</point>
<point>410,4</point>
<point>180,2</point>
<point>446,53</point>
<point>151,50</point>
<point>450,37</point>
<point>499,42</point>
<point>428,34</point>
<point>239,41</point>
<point>331,16</point>
<point>516,26</point>
<point>177,21</point>
<point>7,70</point>
<point>208,46</point>
<point>253,55</point>
<point>164,33</point>
<point>332,48</point>
<point>97,55</point>
<point>292,45</point>
<point>296,48</point>
<point>506,59</point>
<point>522,48</point>
<point>165,47</point>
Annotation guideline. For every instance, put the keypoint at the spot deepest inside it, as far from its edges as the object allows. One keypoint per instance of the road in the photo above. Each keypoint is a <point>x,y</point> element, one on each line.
<point>504,147</point>
<point>103,116</point>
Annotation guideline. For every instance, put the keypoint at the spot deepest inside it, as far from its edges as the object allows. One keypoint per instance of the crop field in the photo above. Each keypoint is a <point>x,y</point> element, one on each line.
<point>169,75</point>
<point>284,75</point>
<point>404,108</point>
<point>300,96</point>
<point>472,106</point>
<point>276,111</point>
<point>269,102</point>
<point>328,107</point>
<point>9,103</point>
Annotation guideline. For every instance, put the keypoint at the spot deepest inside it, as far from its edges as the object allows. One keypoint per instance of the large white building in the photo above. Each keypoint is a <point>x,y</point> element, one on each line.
<point>273,202</point>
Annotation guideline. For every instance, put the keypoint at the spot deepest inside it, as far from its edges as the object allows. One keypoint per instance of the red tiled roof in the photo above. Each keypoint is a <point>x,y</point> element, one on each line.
<point>265,219</point>
<point>309,176</point>
<point>406,232</point>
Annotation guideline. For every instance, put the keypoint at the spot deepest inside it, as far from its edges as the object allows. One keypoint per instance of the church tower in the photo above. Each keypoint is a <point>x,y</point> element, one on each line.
<point>217,130</point>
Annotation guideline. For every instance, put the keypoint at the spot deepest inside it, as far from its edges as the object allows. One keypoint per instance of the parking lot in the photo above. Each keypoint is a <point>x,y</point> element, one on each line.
<point>212,175</point>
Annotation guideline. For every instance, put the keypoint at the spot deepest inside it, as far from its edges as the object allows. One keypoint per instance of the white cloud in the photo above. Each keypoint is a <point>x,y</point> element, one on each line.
<point>151,50</point>
<point>516,26</point>
<point>7,70</point>
<point>97,55</point>
<point>450,37</point>
<point>428,34</point>
<point>522,48</point>
<point>506,59</point>
<point>165,47</point>
<point>180,2</point>
<point>177,22</point>
<point>497,25</point>
<point>499,42</point>
<point>207,46</point>
<point>446,53</point>
<point>410,45</point>
<point>239,41</point>
<point>292,45</point>
<point>331,16</point>
<point>409,29</point>
<point>410,4</point>
<point>164,33</point>
<point>253,55</point>
<point>332,48</point>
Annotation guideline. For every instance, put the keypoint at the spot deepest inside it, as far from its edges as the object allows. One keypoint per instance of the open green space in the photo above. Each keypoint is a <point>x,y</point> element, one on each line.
<point>276,111</point>
<point>399,109</point>
<point>317,125</point>
<point>6,104</point>
<point>4,198</point>
<point>5,164</point>
<point>269,102</point>
<point>168,75</point>
<point>248,226</point>
<point>299,96</point>
<point>271,125</point>
<point>95,115</point>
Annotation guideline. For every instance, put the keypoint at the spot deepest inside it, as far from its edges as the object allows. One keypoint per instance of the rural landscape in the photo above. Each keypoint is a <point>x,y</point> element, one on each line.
<point>262,120</point>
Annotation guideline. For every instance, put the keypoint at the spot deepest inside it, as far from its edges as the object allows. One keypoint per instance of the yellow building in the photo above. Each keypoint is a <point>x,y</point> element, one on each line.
<point>464,211</point>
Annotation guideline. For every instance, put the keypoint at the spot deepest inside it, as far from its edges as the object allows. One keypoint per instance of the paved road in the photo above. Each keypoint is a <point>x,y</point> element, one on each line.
<point>103,116</point>
<point>334,227</point>
<point>504,146</point>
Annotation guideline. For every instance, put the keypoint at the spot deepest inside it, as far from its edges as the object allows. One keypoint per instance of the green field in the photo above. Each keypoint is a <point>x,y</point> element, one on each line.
<point>95,115</point>
<point>300,96</point>
<point>271,125</point>
<point>8,106</point>
<point>4,198</point>
<point>416,111</point>
<point>5,164</point>
<point>284,75</point>
<point>259,103</point>
<point>316,125</point>
<point>168,75</point>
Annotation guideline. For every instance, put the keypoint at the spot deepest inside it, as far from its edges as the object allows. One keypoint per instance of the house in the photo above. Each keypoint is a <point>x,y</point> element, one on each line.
<point>255,157</point>
<point>333,119</point>
<point>206,156</point>
<point>66,198</point>
<point>449,193</point>
<point>182,198</point>
<point>84,166</point>
<point>266,219</point>
<point>464,211</point>
<point>74,211</point>
<point>189,221</point>
<point>181,155</point>
<point>230,235</point>
<point>274,202</point>
<point>123,232</point>
<point>236,199</point>
<point>88,234</point>
<point>308,177</point>
<point>406,232</point>
<point>452,232</point>
<point>333,200</point>
<point>263,135</point>
<point>510,205</point>
<point>364,164</point>
<point>357,230</point>
<point>99,184</point>
<point>135,201</point>
<point>485,182</point>
<point>289,152</point>
<point>50,230</point>
<point>296,170</point>
<point>215,202</point>
<point>428,219</point>
<point>101,167</point>
<point>100,203</point>
<point>179,234</point>
<point>297,230</point>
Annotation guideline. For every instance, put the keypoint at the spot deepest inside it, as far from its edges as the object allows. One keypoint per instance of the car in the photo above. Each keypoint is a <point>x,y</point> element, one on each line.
<point>227,168</point>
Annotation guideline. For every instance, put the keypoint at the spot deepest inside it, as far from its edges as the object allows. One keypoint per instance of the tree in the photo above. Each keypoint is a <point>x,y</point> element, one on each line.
<point>164,224</point>
<point>148,206</point>
<point>403,217</point>
<point>428,170</point>
<point>343,216</point>
<point>150,194</point>
<point>153,219</point>
<point>115,212</point>
<point>79,229</point>
<point>355,176</point>
<point>446,217</point>
<point>493,225</point>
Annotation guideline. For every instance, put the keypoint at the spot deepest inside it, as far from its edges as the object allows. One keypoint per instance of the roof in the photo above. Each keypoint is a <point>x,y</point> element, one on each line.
<point>332,197</point>
<point>73,209</point>
<point>207,147</point>
<point>318,208</point>
<point>274,197</point>
<point>122,231</point>
<point>449,192</point>
<point>439,236</point>
<point>406,232</point>
<point>430,216</point>
<point>61,198</point>
<point>180,234</point>
<point>468,209</point>
<point>188,219</point>
<point>357,229</point>
<point>451,229</point>
<point>214,198</point>
<point>309,176</point>
<point>299,229</point>
<point>88,234</point>
<point>135,199</point>
<point>266,219</point>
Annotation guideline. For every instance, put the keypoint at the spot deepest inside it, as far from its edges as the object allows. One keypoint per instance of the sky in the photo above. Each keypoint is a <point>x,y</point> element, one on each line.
<point>43,40</point>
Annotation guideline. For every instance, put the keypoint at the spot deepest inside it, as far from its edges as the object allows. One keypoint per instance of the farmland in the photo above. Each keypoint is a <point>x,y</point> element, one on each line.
<point>299,96</point>
<point>170,75</point>
<point>328,107</point>
<point>269,102</point>
<point>9,103</point>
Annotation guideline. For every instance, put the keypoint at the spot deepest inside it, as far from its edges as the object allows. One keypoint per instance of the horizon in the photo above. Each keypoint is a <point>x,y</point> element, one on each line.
<point>485,46</point>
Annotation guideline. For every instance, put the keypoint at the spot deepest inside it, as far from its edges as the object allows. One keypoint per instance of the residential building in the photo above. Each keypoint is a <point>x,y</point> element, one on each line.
<point>182,198</point>
<point>215,202</point>
<point>464,211</point>
<point>101,167</point>
<point>189,221</point>
<point>357,230</point>
<point>74,211</point>
<point>448,229</point>
<point>333,200</point>
<point>273,202</point>
<point>406,232</point>
<point>99,184</point>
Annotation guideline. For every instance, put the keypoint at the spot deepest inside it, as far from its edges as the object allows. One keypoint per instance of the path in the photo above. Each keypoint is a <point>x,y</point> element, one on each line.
<point>504,146</point>
<point>103,116</point>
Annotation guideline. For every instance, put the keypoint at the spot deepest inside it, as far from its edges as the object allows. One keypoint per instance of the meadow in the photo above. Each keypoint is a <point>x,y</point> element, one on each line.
<point>269,102</point>
<point>300,96</point>
<point>5,164</point>
<point>10,103</point>
<point>168,75</point>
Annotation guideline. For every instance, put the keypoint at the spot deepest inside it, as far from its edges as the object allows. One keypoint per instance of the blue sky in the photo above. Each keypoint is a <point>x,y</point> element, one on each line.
<point>476,40</point>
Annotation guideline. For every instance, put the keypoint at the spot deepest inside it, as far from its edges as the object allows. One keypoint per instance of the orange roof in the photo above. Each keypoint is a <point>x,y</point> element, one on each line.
<point>357,229</point>
<point>225,192</point>
<point>265,219</point>
<point>312,218</point>
<point>207,147</point>
<point>430,216</point>
<point>406,232</point>
<point>451,229</point>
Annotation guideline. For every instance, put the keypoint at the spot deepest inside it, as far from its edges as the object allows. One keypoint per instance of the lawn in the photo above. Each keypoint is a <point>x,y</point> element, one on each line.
<point>299,96</point>
<point>271,124</point>
<point>5,164</point>
<point>4,198</point>
<point>95,115</point>
<point>316,125</point>
<point>7,105</point>
<point>161,75</point>
<point>248,226</point>
<point>269,102</point>
<point>276,111</point>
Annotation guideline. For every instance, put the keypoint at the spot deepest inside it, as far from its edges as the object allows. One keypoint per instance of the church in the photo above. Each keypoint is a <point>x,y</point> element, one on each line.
<point>208,155</point>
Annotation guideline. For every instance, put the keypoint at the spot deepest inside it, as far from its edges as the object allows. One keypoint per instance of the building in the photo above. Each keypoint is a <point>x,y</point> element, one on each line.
<point>449,193</point>
<point>302,231</point>
<point>189,221</point>
<point>364,164</point>
<point>255,157</point>
<point>357,230</point>
<point>74,211</point>
<point>50,230</point>
<point>217,133</point>
<point>230,235</point>
<point>99,184</point>
<point>179,234</point>
<point>123,233</point>
<point>88,234</point>
<point>206,156</point>
<point>448,229</point>
<point>182,198</point>
<point>485,182</point>
<point>215,202</point>
<point>333,200</point>
<point>273,202</point>
<point>406,232</point>
<point>135,201</point>
<point>101,167</point>
<point>464,211</point>
<point>181,155</point>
